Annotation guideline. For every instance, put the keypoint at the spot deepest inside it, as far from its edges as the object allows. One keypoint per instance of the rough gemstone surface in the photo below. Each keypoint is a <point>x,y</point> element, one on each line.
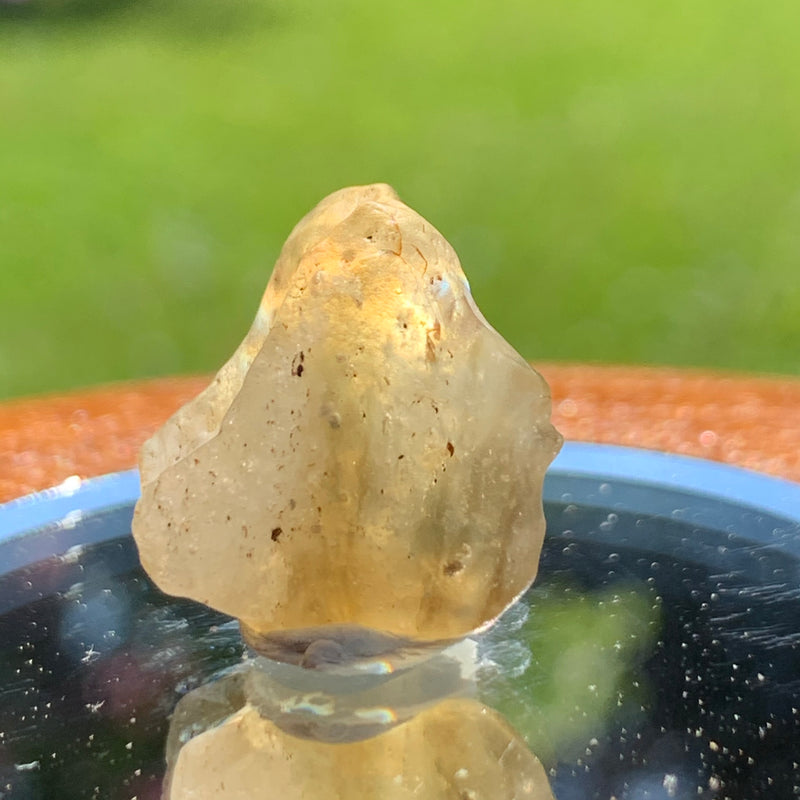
<point>372,454</point>
<point>457,749</point>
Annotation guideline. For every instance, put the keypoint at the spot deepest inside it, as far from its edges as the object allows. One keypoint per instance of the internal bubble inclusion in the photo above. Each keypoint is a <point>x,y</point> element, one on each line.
<point>369,461</point>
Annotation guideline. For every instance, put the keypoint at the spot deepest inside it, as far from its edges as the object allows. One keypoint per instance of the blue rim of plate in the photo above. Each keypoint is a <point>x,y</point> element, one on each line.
<point>588,471</point>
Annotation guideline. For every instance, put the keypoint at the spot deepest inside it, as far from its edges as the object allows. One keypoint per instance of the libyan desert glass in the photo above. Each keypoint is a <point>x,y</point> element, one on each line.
<point>370,457</point>
<point>656,657</point>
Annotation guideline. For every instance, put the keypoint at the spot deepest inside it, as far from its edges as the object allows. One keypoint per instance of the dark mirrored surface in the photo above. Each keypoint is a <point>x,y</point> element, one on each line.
<point>657,656</point>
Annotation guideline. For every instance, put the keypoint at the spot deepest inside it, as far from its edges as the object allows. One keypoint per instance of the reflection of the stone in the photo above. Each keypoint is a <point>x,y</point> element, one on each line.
<point>268,730</point>
<point>457,749</point>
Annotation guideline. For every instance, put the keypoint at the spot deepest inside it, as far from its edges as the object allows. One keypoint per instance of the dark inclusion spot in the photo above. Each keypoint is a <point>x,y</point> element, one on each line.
<point>276,534</point>
<point>452,567</point>
<point>297,364</point>
<point>450,448</point>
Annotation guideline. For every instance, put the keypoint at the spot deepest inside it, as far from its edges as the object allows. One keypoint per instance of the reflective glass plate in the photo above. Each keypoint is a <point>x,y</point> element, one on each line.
<point>656,656</point>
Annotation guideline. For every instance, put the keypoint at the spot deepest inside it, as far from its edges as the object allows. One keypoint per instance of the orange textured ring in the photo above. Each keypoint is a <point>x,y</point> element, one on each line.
<point>748,421</point>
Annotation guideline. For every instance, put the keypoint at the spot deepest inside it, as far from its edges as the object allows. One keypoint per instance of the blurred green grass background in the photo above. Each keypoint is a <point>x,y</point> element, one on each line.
<point>620,179</point>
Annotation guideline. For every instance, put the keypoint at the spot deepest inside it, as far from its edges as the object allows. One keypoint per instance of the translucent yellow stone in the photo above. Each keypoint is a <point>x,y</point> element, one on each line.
<point>371,456</point>
<point>456,750</point>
